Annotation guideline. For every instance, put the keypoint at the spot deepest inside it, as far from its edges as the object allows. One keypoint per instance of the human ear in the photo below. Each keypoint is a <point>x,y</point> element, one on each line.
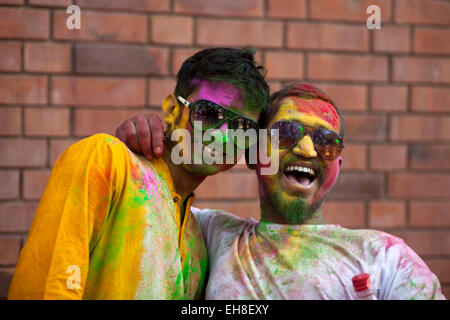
<point>171,110</point>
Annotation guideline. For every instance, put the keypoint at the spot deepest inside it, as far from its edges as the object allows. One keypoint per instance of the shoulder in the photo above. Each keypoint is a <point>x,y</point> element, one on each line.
<point>217,216</point>
<point>218,224</point>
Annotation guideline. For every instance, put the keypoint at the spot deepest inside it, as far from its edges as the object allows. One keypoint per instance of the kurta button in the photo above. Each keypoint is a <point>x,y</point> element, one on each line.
<point>175,199</point>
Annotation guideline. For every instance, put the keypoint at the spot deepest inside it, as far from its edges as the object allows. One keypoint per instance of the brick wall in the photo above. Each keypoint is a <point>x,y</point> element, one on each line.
<point>58,86</point>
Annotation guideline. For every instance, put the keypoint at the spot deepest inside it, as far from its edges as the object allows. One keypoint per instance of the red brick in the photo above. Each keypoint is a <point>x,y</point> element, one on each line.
<point>345,10</point>
<point>388,157</point>
<point>223,186</point>
<point>120,59</point>
<point>6,275</point>
<point>9,250</point>
<point>57,147</point>
<point>159,89</point>
<point>429,214</point>
<point>284,65</point>
<point>358,185</point>
<point>16,216</point>
<point>12,2</point>
<point>172,30</point>
<point>354,157</point>
<point>430,156</point>
<point>286,8</point>
<point>346,214</point>
<point>10,121</point>
<point>441,268</point>
<point>389,98</point>
<point>102,27</point>
<point>23,152</point>
<point>34,183</point>
<point>23,89</point>
<point>117,92</point>
<point>18,23</point>
<point>47,57</point>
<point>11,56</point>
<point>392,39</point>
<point>427,242</point>
<point>52,3</point>
<point>346,97</point>
<point>324,66</point>
<point>241,33</point>
<point>47,122</point>
<point>244,209</point>
<point>179,56</point>
<point>327,37</point>
<point>9,188</point>
<point>420,128</point>
<point>274,85</point>
<point>445,291</point>
<point>430,99</point>
<point>365,127</point>
<point>88,122</point>
<point>249,8</point>
<point>133,5</point>
<point>414,185</point>
<point>422,11</point>
<point>414,69</point>
<point>429,40</point>
<point>386,214</point>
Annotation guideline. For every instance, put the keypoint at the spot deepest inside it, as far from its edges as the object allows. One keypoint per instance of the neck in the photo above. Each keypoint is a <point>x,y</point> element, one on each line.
<point>273,214</point>
<point>184,182</point>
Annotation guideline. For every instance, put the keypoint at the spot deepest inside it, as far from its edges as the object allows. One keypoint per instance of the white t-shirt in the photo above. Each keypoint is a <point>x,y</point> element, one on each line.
<point>261,260</point>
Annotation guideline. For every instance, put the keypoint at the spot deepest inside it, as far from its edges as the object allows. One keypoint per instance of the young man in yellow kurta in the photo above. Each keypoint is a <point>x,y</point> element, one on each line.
<point>114,225</point>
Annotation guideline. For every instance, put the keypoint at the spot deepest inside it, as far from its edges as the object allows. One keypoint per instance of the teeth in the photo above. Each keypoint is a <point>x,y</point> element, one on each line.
<point>301,169</point>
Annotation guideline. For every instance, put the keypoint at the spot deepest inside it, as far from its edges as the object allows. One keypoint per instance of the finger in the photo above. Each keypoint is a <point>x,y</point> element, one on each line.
<point>144,136</point>
<point>131,139</point>
<point>157,128</point>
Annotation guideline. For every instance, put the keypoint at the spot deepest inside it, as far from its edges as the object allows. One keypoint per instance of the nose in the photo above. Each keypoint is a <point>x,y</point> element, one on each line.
<point>305,148</point>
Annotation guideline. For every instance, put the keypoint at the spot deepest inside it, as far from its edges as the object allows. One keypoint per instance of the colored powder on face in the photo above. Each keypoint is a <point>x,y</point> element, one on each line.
<point>224,94</point>
<point>315,108</point>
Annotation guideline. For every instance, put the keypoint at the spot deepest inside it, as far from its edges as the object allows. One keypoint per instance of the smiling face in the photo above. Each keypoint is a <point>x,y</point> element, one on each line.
<point>296,192</point>
<point>227,96</point>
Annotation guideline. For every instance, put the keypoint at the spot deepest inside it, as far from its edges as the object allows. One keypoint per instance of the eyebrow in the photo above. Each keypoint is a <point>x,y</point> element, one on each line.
<point>305,125</point>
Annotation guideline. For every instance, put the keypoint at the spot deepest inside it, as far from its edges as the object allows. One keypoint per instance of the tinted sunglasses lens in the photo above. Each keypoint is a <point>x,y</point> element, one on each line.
<point>249,134</point>
<point>327,143</point>
<point>207,113</point>
<point>289,133</point>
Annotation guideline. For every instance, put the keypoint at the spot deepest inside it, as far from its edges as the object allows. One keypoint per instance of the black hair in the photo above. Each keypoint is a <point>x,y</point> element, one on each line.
<point>233,66</point>
<point>306,91</point>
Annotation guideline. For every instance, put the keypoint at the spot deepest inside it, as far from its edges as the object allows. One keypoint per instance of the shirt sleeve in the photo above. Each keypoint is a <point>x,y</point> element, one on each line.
<point>84,185</point>
<point>408,277</point>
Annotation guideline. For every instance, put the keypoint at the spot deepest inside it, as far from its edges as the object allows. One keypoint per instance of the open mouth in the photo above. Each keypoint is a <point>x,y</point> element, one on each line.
<point>300,176</point>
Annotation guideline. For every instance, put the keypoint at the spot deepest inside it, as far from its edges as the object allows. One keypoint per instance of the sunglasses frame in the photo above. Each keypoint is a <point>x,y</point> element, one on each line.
<point>228,115</point>
<point>311,134</point>
<point>225,112</point>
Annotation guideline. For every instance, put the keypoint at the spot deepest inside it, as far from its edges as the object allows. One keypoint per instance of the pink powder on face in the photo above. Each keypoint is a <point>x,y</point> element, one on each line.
<point>331,175</point>
<point>318,108</point>
<point>221,93</point>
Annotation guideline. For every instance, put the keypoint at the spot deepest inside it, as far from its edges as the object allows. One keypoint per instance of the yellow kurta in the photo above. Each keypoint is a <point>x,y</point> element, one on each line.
<point>115,217</point>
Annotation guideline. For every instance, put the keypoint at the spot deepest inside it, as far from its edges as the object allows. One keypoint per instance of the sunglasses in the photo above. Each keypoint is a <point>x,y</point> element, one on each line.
<point>211,116</point>
<point>327,143</point>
